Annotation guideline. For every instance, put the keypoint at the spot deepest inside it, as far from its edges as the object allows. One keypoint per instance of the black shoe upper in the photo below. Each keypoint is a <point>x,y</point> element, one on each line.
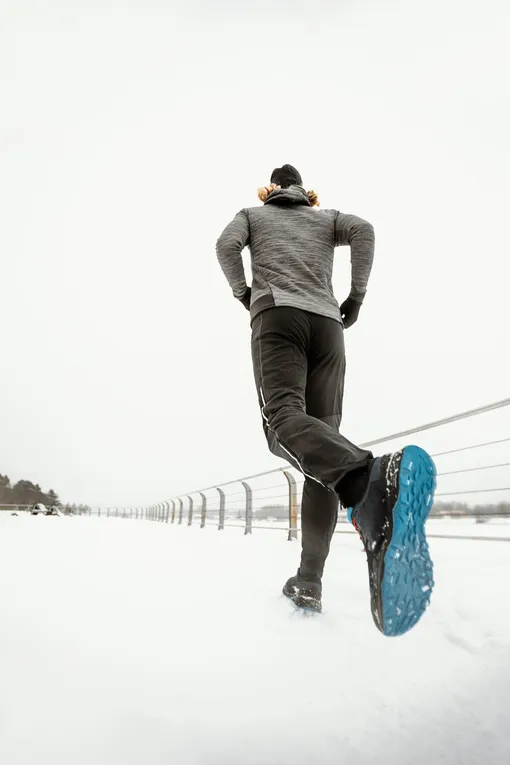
<point>298,583</point>
<point>372,516</point>
<point>373,519</point>
<point>303,594</point>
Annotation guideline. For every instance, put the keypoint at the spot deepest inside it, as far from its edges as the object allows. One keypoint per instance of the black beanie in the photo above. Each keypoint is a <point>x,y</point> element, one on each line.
<point>286,176</point>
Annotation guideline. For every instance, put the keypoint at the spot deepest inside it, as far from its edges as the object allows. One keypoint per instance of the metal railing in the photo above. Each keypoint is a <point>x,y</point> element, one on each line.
<point>271,499</point>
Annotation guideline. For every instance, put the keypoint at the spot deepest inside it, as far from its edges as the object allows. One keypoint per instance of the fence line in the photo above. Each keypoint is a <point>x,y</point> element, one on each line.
<point>473,446</point>
<point>287,469</point>
<point>199,506</point>
<point>472,491</point>
<point>444,421</point>
<point>411,431</point>
<point>474,469</point>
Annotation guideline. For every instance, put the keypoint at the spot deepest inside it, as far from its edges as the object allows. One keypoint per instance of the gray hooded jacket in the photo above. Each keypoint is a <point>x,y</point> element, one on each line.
<point>292,249</point>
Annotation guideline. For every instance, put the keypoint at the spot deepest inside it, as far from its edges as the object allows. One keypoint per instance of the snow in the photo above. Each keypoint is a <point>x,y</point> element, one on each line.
<point>128,643</point>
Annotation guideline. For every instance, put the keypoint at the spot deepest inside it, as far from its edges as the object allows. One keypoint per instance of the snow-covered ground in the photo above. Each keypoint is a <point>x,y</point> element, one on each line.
<point>136,643</point>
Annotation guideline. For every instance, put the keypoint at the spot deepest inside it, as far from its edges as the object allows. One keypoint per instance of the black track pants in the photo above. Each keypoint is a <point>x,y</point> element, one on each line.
<point>299,368</point>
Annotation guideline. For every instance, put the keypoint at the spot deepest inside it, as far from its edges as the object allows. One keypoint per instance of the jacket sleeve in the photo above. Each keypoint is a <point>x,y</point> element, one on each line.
<point>229,247</point>
<point>359,234</point>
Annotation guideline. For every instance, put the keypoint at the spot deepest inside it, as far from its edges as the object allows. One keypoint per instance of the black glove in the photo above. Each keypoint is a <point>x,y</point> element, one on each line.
<point>349,311</point>
<point>246,298</point>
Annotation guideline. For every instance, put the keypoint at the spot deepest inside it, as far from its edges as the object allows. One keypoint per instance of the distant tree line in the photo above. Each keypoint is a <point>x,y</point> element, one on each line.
<point>75,509</point>
<point>440,509</point>
<point>461,508</point>
<point>27,493</point>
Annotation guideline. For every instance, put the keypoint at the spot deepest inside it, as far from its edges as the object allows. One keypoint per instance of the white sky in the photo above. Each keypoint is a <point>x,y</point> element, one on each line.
<point>131,133</point>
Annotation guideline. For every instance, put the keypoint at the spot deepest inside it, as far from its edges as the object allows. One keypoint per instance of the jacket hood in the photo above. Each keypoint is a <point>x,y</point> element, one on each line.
<point>293,195</point>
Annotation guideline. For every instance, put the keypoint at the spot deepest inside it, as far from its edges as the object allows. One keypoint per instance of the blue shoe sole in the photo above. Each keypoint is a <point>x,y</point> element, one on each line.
<point>408,579</point>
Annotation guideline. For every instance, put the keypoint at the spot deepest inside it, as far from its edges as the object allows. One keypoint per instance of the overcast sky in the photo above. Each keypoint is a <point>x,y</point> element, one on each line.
<point>132,132</point>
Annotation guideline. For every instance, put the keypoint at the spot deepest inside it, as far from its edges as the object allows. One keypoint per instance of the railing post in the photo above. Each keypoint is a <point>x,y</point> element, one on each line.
<point>99,512</point>
<point>292,505</point>
<point>249,508</point>
<point>190,512</point>
<point>167,512</point>
<point>180,510</point>
<point>173,510</point>
<point>204,510</point>
<point>221,519</point>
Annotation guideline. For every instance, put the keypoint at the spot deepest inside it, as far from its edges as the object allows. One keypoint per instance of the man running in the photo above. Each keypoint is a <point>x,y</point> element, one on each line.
<point>299,366</point>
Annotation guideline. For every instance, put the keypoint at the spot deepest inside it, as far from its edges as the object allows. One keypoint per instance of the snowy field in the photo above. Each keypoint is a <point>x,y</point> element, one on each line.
<point>135,643</point>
